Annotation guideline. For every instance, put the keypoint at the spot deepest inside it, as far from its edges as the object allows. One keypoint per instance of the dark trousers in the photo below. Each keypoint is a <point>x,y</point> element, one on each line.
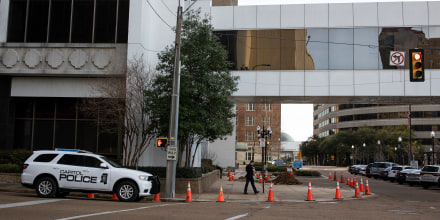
<point>250,179</point>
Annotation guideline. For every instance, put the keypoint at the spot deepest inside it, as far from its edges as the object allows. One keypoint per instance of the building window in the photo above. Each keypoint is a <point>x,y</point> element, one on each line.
<point>267,107</point>
<point>249,121</point>
<point>267,121</point>
<point>249,136</point>
<point>250,107</point>
<point>249,156</point>
<point>68,21</point>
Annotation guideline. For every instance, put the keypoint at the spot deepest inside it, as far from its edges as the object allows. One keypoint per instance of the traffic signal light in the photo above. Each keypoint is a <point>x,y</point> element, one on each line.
<point>416,65</point>
<point>161,142</point>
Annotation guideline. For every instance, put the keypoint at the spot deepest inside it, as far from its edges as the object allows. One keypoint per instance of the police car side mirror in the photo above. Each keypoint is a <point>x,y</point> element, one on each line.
<point>103,165</point>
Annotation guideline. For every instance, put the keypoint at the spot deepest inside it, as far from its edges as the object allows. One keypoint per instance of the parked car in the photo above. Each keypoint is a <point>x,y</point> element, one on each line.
<point>278,162</point>
<point>401,176</point>
<point>354,169</point>
<point>413,177</point>
<point>430,176</point>
<point>377,167</point>
<point>55,173</point>
<point>362,169</point>
<point>392,174</point>
<point>383,174</point>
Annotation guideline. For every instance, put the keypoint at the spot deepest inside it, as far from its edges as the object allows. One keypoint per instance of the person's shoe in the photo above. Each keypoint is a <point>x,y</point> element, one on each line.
<point>245,193</point>
<point>257,192</point>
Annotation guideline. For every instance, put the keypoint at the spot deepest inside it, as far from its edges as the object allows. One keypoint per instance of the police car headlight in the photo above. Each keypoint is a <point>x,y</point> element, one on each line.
<point>143,177</point>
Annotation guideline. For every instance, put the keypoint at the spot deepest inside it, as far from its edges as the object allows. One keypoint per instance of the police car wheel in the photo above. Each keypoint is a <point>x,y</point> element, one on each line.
<point>127,192</point>
<point>46,187</point>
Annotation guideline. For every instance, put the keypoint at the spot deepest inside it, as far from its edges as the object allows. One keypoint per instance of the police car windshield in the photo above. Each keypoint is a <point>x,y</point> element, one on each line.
<point>114,164</point>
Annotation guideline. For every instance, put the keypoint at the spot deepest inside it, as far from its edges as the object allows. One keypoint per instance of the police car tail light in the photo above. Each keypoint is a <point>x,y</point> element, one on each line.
<point>25,166</point>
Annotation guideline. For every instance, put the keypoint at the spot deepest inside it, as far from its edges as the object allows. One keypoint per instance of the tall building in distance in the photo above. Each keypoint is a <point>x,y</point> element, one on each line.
<point>330,119</point>
<point>248,118</point>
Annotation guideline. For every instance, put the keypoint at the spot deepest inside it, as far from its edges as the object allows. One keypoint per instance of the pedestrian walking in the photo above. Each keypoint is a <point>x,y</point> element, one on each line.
<point>250,170</point>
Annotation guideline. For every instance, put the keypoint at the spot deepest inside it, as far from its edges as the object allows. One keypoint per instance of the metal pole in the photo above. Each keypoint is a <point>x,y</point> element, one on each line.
<point>410,148</point>
<point>174,112</point>
<point>433,150</point>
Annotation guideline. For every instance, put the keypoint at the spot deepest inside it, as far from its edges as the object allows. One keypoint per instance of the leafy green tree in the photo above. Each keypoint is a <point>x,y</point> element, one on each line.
<point>205,113</point>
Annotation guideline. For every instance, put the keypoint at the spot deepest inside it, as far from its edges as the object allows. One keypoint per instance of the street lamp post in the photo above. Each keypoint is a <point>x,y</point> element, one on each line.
<point>432,136</point>
<point>380,150</point>
<point>352,154</point>
<point>400,149</point>
<point>363,152</point>
<point>264,134</point>
<point>395,154</point>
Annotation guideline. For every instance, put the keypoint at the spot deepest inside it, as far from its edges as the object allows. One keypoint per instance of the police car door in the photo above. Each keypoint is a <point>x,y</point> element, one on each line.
<point>98,177</point>
<point>76,172</point>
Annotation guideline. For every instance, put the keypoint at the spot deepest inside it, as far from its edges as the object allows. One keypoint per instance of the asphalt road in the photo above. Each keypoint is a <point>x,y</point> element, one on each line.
<point>391,201</point>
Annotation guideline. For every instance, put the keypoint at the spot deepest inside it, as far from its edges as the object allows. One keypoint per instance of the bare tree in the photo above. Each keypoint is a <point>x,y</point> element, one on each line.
<point>122,109</point>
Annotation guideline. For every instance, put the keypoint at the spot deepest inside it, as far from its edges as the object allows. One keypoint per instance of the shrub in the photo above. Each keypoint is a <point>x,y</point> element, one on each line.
<point>181,172</point>
<point>10,168</point>
<point>14,157</point>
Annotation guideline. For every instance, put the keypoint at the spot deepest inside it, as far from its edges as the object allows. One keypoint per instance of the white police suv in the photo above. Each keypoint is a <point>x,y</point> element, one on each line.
<point>55,173</point>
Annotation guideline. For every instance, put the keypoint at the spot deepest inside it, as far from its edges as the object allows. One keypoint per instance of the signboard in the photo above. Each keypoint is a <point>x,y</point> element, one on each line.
<point>299,155</point>
<point>297,164</point>
<point>171,153</point>
<point>397,58</point>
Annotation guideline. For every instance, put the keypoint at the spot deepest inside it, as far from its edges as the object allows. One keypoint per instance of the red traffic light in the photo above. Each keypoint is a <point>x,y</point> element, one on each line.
<point>417,56</point>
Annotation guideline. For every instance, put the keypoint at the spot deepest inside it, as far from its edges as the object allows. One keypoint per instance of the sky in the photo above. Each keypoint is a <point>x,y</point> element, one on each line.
<point>297,120</point>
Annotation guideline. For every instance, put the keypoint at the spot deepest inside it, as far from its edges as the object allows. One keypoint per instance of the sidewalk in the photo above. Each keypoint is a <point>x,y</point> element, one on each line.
<point>323,190</point>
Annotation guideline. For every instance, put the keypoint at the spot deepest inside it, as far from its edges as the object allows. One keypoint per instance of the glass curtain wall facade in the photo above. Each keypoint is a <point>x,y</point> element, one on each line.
<point>328,48</point>
<point>49,123</point>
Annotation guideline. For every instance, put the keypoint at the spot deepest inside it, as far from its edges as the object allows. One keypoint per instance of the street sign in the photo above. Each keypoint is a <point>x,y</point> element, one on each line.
<point>397,58</point>
<point>172,153</point>
<point>297,164</point>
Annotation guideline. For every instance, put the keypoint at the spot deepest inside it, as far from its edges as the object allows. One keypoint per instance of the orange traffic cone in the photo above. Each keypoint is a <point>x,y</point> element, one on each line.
<point>258,175</point>
<point>230,178</point>
<point>114,196</point>
<point>367,188</point>
<point>188,194</point>
<point>334,176</point>
<point>229,173</point>
<point>291,173</point>
<point>156,197</point>
<point>261,179</point>
<point>91,195</point>
<point>220,195</point>
<point>342,178</point>
<point>361,188</point>
<point>356,191</point>
<point>330,175</point>
<point>233,176</point>
<point>266,178</point>
<point>348,180</point>
<point>338,191</point>
<point>309,192</point>
<point>270,198</point>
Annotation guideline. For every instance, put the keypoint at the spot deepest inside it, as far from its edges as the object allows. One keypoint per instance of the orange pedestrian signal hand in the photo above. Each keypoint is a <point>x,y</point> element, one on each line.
<point>161,142</point>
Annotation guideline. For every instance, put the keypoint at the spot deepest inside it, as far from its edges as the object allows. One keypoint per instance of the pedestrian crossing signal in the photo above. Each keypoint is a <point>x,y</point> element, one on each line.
<point>416,66</point>
<point>161,142</point>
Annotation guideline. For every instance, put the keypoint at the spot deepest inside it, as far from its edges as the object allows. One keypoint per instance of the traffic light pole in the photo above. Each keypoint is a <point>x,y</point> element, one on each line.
<point>170,184</point>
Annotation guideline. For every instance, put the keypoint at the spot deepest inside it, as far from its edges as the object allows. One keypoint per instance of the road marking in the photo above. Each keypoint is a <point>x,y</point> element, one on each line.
<point>122,210</point>
<point>30,203</point>
<point>237,217</point>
